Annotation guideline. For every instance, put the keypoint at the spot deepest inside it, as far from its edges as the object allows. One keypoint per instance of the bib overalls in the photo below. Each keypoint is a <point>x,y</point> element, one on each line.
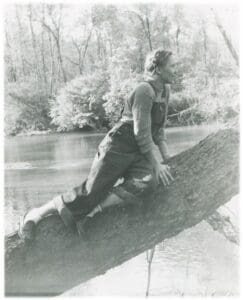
<point>118,156</point>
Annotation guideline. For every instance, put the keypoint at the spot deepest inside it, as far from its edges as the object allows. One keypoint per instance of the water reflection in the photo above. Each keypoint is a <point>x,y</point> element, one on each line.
<point>197,262</point>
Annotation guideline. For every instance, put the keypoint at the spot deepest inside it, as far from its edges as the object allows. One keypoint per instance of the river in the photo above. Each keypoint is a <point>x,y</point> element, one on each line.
<point>198,261</point>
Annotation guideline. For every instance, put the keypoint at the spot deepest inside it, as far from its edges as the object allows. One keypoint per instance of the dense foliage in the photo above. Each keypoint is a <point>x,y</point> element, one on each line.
<point>80,102</point>
<point>71,66</point>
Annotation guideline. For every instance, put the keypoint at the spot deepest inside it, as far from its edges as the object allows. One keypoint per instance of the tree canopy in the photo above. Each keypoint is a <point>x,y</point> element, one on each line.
<point>71,66</point>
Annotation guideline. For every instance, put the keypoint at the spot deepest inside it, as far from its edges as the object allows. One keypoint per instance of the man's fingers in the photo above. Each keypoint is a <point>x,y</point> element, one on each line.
<point>169,174</point>
<point>167,170</point>
<point>161,179</point>
<point>165,179</point>
<point>164,176</point>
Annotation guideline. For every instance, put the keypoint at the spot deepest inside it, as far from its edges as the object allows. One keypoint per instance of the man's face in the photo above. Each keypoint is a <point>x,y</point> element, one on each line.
<point>167,72</point>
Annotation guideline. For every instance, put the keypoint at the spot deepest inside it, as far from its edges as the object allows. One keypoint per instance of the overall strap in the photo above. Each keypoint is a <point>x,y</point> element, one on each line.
<point>122,110</point>
<point>150,83</point>
<point>165,93</point>
<point>167,97</point>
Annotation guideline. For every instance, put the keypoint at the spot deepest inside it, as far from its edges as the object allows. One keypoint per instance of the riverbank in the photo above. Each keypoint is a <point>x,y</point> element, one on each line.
<point>103,130</point>
<point>53,131</point>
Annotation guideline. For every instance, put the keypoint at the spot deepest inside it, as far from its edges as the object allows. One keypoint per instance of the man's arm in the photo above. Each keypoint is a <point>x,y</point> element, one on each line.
<point>141,110</point>
<point>162,138</point>
<point>161,142</point>
<point>164,150</point>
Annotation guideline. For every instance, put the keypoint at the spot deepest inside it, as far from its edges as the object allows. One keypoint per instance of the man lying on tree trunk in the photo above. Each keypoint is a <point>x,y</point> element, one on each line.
<point>127,151</point>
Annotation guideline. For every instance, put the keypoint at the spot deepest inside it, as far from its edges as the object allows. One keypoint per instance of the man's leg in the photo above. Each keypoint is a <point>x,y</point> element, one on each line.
<point>107,167</point>
<point>138,183</point>
<point>141,186</point>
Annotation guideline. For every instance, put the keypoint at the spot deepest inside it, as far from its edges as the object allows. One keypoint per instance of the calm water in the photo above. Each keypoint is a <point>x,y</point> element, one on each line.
<point>198,261</point>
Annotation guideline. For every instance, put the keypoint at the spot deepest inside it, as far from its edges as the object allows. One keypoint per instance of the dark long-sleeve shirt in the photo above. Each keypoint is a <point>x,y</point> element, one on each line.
<point>141,110</point>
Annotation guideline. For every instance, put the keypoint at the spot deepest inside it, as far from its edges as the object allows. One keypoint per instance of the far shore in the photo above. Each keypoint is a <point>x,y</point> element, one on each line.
<point>102,130</point>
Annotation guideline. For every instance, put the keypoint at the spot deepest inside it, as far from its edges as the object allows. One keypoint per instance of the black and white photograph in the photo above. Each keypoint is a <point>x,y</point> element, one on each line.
<point>121,145</point>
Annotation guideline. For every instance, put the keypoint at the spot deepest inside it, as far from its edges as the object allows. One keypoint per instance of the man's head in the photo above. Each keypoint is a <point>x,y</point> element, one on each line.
<point>160,63</point>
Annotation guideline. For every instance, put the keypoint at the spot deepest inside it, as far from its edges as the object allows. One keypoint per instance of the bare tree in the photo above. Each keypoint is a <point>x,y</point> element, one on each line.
<point>42,48</point>
<point>34,44</point>
<point>54,28</point>
<point>205,48</point>
<point>52,62</point>
<point>180,23</point>
<point>81,54</point>
<point>20,34</point>
<point>13,74</point>
<point>226,38</point>
<point>145,22</point>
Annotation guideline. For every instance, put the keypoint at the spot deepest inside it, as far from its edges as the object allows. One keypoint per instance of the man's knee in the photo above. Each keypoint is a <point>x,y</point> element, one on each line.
<point>145,185</point>
<point>139,187</point>
<point>69,196</point>
<point>76,193</point>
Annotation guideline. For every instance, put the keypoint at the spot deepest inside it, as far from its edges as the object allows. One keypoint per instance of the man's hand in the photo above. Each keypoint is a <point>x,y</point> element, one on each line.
<point>162,171</point>
<point>163,175</point>
<point>166,157</point>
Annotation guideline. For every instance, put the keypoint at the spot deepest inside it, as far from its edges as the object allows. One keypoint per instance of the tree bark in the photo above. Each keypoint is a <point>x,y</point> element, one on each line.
<point>206,177</point>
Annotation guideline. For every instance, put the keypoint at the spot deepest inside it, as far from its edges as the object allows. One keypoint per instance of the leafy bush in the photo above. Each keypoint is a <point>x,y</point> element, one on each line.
<point>80,102</point>
<point>199,103</point>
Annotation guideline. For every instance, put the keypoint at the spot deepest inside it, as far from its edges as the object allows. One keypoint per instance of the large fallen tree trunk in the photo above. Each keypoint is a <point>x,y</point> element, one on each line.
<point>206,177</point>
